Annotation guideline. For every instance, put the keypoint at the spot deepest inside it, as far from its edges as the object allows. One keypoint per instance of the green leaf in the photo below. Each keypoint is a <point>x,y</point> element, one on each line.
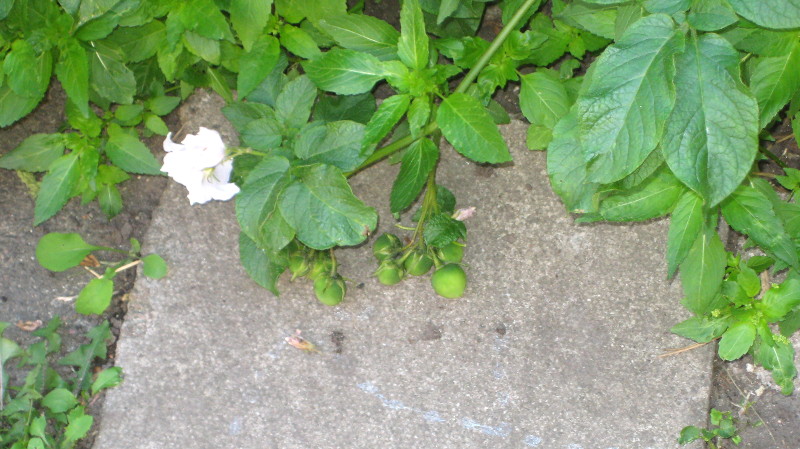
<point>95,297</point>
<point>336,143</point>
<point>257,205</point>
<point>204,18</point>
<point>219,83</point>
<point>358,108</point>
<point>778,14</point>
<point>78,427</point>
<point>263,267</point>
<point>538,137</point>
<point>129,153</point>
<point>700,329</point>
<point>412,47</point>
<point>206,48</point>
<point>543,99</point>
<point>418,114</point>
<point>385,118</point>
<point>155,124</point>
<point>59,400</point>
<point>666,6</point>
<point>780,300</point>
<point>56,187</point>
<point>5,8</point>
<point>418,161</point>
<point>689,434</point>
<point>27,70</point>
<point>567,169</point>
<point>163,105</point>
<point>596,19</point>
<point>72,71</point>
<point>109,174</point>
<point>108,74</point>
<point>627,100</point>
<point>110,200</point>
<point>711,137</point>
<point>58,252</point>
<point>651,199</point>
<point>748,211</point>
<point>35,153</point>
<point>685,226</point>
<point>255,64</point>
<point>249,17</point>
<point>154,266</point>
<point>702,272</point>
<point>442,230</point>
<point>470,129</point>
<point>294,103</point>
<point>108,378</point>
<point>363,33</point>
<point>778,358</point>
<point>737,340</point>
<point>711,15</point>
<point>299,42</point>
<point>344,72</point>
<point>14,106</point>
<point>320,205</point>
<point>140,42</point>
<point>263,134</point>
<point>774,80</point>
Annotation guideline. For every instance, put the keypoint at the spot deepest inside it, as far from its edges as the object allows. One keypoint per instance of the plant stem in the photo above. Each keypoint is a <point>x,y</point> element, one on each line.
<point>496,43</point>
<point>772,157</point>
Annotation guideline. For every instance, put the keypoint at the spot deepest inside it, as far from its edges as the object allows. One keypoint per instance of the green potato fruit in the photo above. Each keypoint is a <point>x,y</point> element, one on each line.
<point>452,253</point>
<point>323,265</point>
<point>417,264</point>
<point>298,265</point>
<point>386,246</point>
<point>449,281</point>
<point>329,291</point>
<point>389,273</point>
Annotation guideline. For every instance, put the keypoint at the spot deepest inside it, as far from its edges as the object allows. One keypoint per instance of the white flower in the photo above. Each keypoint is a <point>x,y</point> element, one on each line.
<point>199,163</point>
<point>463,214</point>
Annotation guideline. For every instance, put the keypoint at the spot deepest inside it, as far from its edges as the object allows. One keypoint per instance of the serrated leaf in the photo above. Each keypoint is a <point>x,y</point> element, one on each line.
<point>597,19</point>
<point>59,400</point>
<point>737,340</point>
<point>750,212</point>
<point>108,378</point>
<point>206,48</point>
<point>129,153</point>
<point>110,200</point>
<point>418,161</point>
<point>14,106</point>
<point>363,33</point>
<point>625,104</point>
<point>711,137</point>
<point>27,70</point>
<point>336,143</point>
<point>358,108</point>
<point>95,297</point>
<point>240,114</point>
<point>666,6</point>
<point>702,272</point>
<point>345,72</point>
<point>263,267</point>
<point>256,63</point>
<point>774,80</point>
<point>56,187</point>
<point>35,153</point>
<point>299,42</point>
<point>155,124</point>
<point>262,134</point>
<point>109,76</point>
<point>543,99</point>
<point>779,301</point>
<point>418,114</point>
<point>154,266</point>
<point>319,204</point>
<point>470,129</point>
<point>685,225</point>
<point>442,230</point>
<point>294,103</point>
<point>249,17</point>
<point>385,118</point>
<point>778,14</point>
<point>567,168</point>
<point>72,71</point>
<point>163,105</point>
<point>700,329</point>
<point>140,42</point>
<point>58,251</point>
<point>779,359</point>
<point>412,47</point>
<point>653,198</point>
<point>711,15</point>
<point>78,427</point>
<point>257,205</point>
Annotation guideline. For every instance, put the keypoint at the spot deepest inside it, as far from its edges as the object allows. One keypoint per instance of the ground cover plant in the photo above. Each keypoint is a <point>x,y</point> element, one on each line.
<point>647,109</point>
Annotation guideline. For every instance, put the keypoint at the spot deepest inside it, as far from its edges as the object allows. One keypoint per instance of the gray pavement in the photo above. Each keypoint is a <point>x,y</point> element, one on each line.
<point>554,344</point>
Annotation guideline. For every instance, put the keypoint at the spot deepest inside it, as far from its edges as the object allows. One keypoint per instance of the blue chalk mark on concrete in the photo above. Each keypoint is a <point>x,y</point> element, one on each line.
<point>235,427</point>
<point>500,431</point>
<point>532,441</point>
<point>574,446</point>
<point>433,416</point>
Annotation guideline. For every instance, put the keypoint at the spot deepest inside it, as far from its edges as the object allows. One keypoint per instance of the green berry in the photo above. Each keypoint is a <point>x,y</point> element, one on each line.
<point>389,273</point>
<point>298,265</point>
<point>323,265</point>
<point>329,291</point>
<point>452,253</point>
<point>449,281</point>
<point>417,264</point>
<point>386,246</point>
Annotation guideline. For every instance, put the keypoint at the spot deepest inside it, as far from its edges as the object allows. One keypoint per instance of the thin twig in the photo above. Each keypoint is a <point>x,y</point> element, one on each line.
<point>758,415</point>
<point>675,351</point>
<point>93,272</point>
<point>126,266</point>
<point>785,138</point>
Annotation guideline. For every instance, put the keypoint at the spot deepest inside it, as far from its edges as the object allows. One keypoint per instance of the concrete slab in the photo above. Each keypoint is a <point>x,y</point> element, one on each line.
<point>554,344</point>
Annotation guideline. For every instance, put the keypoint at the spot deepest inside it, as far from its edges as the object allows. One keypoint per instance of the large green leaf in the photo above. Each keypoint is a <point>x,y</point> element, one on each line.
<point>702,271</point>
<point>263,267</point>
<point>543,99</point>
<point>129,153</point>
<point>653,198</point>
<point>72,71</point>
<point>779,300</point>
<point>700,328</point>
<point>748,211</point>
<point>466,124</point>
<point>249,17</point>
<point>27,70</point>
<point>388,114</point>
<point>336,143</point>
<point>412,48</point>
<point>321,207</point>
<point>778,358</point>
<point>109,76</point>
<point>566,167</point>
<point>625,104</point>
<point>35,153</point>
<point>778,14</point>
<point>597,19</point>
<point>418,161</point>
<point>711,15</point>
<point>262,134</point>
<point>711,137</point>
<point>257,205</point>
<point>14,106</point>
<point>685,225</point>
<point>56,188</point>
<point>294,103</point>
<point>59,252</point>
<point>363,33</point>
<point>256,63</point>
<point>737,340</point>
<point>95,297</point>
<point>299,42</point>
<point>345,72</point>
<point>140,42</point>
<point>774,81</point>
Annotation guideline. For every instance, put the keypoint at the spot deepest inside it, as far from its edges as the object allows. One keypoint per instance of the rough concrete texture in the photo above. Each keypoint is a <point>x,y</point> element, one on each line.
<point>553,345</point>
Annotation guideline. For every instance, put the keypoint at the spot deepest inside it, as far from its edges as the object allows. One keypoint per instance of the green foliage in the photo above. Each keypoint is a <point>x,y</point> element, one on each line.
<point>724,426</point>
<point>48,409</point>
